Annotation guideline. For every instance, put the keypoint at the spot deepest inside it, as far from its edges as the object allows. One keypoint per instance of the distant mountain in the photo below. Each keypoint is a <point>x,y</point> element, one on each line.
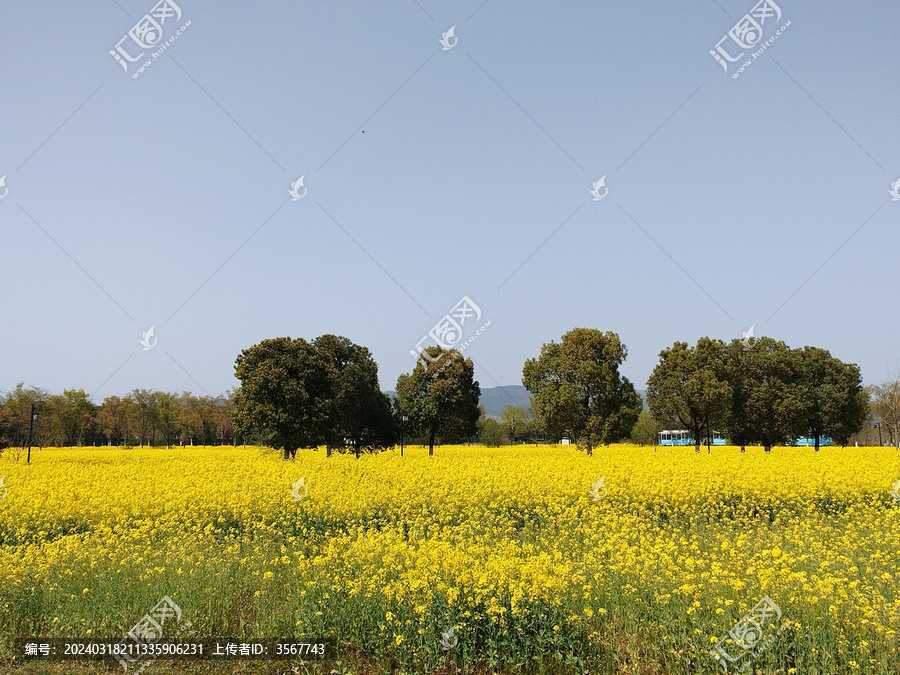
<point>494,399</point>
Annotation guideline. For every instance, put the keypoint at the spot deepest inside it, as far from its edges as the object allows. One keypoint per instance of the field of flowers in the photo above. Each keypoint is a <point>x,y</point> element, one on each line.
<point>534,564</point>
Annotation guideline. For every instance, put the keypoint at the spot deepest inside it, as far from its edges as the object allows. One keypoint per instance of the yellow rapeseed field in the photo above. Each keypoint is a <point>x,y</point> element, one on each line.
<point>536,565</point>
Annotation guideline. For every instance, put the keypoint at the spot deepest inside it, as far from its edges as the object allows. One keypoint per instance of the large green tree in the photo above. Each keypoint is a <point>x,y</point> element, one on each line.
<point>688,386</point>
<point>284,394</point>
<point>578,390</point>
<point>738,366</point>
<point>833,402</point>
<point>440,396</point>
<point>773,404</point>
<point>359,412</point>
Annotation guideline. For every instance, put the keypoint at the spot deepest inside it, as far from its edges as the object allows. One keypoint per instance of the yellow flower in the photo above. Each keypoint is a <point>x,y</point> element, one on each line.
<point>500,536</point>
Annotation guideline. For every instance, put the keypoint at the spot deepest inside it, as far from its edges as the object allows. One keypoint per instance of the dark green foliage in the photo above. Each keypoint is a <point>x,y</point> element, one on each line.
<point>301,395</point>
<point>578,390</point>
<point>688,386</point>
<point>440,396</point>
<point>285,391</point>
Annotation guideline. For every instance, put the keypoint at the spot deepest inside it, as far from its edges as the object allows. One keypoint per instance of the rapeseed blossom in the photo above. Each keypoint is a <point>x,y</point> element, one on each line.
<point>510,546</point>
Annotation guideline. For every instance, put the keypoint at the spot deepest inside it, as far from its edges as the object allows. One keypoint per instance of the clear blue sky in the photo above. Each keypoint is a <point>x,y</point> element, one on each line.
<point>434,174</point>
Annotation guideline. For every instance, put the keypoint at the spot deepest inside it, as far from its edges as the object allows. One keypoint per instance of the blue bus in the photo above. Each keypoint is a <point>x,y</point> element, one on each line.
<point>811,441</point>
<point>675,437</point>
<point>683,437</point>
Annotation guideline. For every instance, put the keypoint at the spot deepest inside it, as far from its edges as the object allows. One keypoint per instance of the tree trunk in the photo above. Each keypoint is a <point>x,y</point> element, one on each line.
<point>287,454</point>
<point>817,441</point>
<point>743,448</point>
<point>328,449</point>
<point>767,448</point>
<point>431,443</point>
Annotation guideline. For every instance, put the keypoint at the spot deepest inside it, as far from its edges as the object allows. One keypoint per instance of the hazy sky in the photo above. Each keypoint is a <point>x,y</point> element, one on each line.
<point>434,173</point>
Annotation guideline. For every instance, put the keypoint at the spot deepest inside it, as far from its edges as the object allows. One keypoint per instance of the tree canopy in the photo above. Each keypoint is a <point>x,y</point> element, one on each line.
<point>304,394</point>
<point>301,394</point>
<point>284,392</point>
<point>688,387</point>
<point>578,390</point>
<point>359,413</point>
<point>766,393</point>
<point>440,396</point>
<point>833,402</point>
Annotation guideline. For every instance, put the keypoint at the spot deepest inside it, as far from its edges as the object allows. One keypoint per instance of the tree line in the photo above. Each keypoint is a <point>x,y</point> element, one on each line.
<point>296,393</point>
<point>141,418</point>
<point>765,393</point>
